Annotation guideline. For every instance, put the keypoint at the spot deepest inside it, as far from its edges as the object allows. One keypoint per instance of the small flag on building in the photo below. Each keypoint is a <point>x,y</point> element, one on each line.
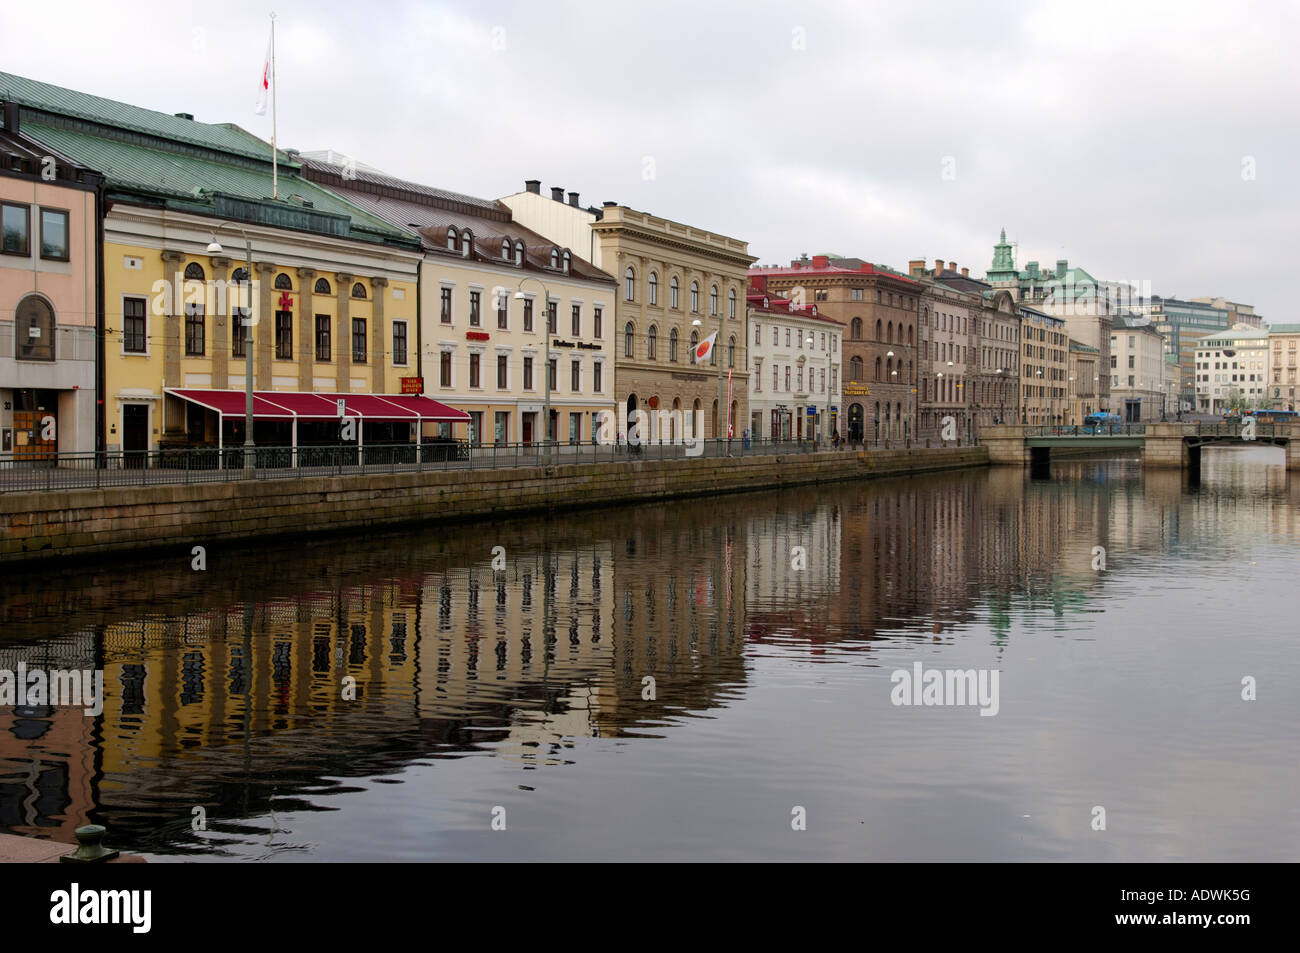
<point>265,86</point>
<point>705,348</point>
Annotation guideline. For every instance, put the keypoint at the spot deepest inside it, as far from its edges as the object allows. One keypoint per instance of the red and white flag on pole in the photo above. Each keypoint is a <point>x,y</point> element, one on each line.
<point>705,348</point>
<point>265,85</point>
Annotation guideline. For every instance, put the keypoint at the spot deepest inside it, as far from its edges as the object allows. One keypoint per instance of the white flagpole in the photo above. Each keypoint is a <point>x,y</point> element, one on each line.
<point>275,177</point>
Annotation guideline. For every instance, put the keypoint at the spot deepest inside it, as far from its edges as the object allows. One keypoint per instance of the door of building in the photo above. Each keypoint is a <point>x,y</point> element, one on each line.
<point>135,434</point>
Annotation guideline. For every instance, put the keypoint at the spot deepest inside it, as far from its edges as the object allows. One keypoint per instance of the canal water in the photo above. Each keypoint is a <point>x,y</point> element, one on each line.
<point>701,680</point>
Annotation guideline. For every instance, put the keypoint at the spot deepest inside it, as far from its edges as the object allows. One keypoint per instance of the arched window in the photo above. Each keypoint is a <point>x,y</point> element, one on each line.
<point>322,287</point>
<point>672,345</point>
<point>731,303</point>
<point>652,288</point>
<point>629,284</point>
<point>555,258</point>
<point>713,299</point>
<point>466,242</point>
<point>627,338</point>
<point>855,369</point>
<point>695,342</point>
<point>519,253</point>
<point>880,329</point>
<point>889,368</point>
<point>358,290</point>
<point>855,329</point>
<point>34,329</point>
<point>889,332</point>
<point>194,272</point>
<point>731,351</point>
<point>565,260</point>
<point>877,368</point>
<point>282,282</point>
<point>673,289</point>
<point>909,335</point>
<point>652,337</point>
<point>695,297</point>
<point>505,249</point>
<point>451,239</point>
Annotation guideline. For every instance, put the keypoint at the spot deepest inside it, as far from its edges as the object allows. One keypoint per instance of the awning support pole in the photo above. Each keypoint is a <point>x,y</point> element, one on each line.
<point>221,441</point>
<point>361,440</point>
<point>295,443</point>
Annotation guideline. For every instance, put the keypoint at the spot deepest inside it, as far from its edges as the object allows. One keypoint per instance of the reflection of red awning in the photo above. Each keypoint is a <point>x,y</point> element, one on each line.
<point>291,405</point>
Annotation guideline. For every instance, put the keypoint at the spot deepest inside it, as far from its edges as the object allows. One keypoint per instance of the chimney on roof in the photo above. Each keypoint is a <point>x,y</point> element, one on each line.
<point>952,266</point>
<point>1061,266</point>
<point>916,267</point>
<point>573,199</point>
<point>938,266</point>
<point>189,116</point>
<point>965,272</point>
<point>557,194</point>
<point>609,204</point>
<point>12,121</point>
<point>533,185</point>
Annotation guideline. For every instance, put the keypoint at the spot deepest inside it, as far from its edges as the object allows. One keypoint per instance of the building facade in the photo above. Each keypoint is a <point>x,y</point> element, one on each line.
<point>1283,342</point>
<point>330,298</point>
<point>1044,363</point>
<point>1232,370</point>
<point>510,321</point>
<point>1084,385</point>
<point>878,309</point>
<point>1137,370</point>
<point>677,285</point>
<point>49,301</point>
<point>794,355</point>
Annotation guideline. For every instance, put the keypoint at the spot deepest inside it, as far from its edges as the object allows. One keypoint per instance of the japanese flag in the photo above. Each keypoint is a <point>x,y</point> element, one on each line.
<point>265,84</point>
<point>705,348</point>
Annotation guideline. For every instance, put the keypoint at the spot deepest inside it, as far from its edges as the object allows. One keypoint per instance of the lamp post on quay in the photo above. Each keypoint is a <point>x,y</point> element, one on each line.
<point>717,342</point>
<point>214,248</point>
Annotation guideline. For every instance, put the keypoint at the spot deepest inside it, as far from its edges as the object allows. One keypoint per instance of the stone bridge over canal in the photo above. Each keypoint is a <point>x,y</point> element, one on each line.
<point>1163,445</point>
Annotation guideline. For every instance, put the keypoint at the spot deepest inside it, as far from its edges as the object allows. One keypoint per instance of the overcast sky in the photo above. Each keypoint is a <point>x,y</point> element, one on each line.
<point>1119,135</point>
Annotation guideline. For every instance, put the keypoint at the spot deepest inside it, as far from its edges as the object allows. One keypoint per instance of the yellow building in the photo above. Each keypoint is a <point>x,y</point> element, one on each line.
<point>333,289</point>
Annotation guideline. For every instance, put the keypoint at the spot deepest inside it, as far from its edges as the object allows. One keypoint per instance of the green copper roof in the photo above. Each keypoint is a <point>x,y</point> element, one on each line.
<point>219,170</point>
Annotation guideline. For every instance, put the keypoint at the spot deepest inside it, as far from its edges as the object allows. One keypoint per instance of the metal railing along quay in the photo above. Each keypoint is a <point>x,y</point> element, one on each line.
<point>212,465</point>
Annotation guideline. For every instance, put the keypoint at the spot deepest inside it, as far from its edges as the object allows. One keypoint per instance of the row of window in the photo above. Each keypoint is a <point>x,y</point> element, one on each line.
<point>652,293</point>
<point>194,272</point>
<point>884,331</point>
<point>446,376</point>
<point>16,228</point>
<point>446,310</point>
<point>462,243</point>
<point>816,379</point>
<point>796,335</point>
<point>135,337</point>
<point>652,345</point>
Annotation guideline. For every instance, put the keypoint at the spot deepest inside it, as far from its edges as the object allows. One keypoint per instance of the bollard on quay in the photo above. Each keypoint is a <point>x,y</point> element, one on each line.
<point>89,850</point>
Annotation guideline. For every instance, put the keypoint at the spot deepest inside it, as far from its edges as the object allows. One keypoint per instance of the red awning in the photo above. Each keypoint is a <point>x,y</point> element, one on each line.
<point>290,405</point>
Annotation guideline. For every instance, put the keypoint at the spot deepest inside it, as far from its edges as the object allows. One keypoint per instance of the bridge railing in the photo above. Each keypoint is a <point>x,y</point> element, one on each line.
<point>1234,428</point>
<point>1085,430</point>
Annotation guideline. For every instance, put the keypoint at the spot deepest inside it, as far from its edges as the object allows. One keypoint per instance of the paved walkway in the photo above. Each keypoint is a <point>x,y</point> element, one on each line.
<point>31,850</point>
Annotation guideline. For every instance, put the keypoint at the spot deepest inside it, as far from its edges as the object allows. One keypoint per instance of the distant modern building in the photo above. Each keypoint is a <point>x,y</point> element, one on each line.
<point>1283,340</point>
<point>1238,313</point>
<point>1183,324</point>
<point>1232,370</point>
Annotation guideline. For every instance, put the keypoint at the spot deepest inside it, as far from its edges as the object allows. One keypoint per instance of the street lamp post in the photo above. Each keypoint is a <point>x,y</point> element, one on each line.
<point>546,370</point>
<point>214,248</point>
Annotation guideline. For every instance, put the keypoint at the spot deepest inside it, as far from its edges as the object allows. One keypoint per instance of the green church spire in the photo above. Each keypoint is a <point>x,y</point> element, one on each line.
<point>1004,263</point>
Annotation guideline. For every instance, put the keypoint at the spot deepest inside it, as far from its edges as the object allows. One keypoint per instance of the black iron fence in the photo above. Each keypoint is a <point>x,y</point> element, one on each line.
<point>213,465</point>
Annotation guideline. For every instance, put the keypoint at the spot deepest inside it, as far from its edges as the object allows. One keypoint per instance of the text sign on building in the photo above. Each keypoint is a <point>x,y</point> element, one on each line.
<point>412,385</point>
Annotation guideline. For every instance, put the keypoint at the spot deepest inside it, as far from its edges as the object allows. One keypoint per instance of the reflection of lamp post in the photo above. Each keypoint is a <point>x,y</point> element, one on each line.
<point>214,248</point>
<point>546,412</point>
